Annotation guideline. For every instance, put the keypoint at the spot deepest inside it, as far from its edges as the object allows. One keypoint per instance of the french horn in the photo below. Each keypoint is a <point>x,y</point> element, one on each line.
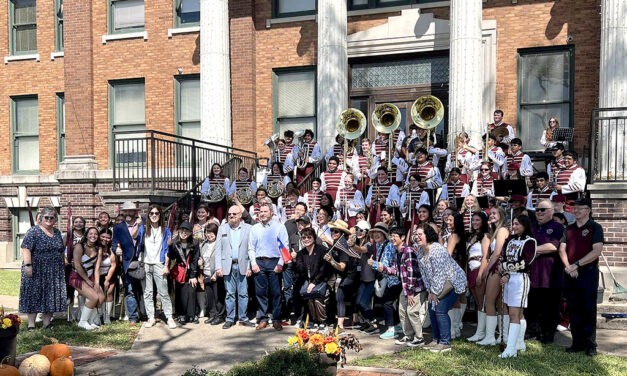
<point>216,193</point>
<point>245,195</point>
<point>275,189</point>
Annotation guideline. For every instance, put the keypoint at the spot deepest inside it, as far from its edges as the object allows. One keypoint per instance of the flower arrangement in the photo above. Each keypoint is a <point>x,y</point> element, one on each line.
<point>329,343</point>
<point>10,320</point>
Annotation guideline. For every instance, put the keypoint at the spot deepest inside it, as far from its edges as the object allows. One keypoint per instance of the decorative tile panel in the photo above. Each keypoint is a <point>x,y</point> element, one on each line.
<point>401,73</point>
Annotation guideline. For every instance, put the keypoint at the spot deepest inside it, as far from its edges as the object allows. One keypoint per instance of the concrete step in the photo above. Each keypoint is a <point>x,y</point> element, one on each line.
<point>615,324</point>
<point>611,307</point>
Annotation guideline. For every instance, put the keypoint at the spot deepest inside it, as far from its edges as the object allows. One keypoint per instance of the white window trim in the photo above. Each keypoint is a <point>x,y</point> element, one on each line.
<point>54,55</point>
<point>138,34</point>
<point>183,30</point>
<point>21,57</point>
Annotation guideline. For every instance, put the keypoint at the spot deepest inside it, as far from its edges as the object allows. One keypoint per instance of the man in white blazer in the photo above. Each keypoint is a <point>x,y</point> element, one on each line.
<point>233,263</point>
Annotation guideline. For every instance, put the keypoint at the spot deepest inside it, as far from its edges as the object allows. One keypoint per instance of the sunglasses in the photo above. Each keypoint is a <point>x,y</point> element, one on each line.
<point>552,121</point>
<point>307,237</point>
<point>50,218</point>
<point>485,169</point>
<point>360,230</point>
<point>542,210</point>
<point>155,213</point>
<point>336,231</point>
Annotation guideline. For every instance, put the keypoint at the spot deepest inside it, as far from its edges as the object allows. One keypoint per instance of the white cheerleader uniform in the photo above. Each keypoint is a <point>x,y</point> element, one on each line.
<point>516,261</point>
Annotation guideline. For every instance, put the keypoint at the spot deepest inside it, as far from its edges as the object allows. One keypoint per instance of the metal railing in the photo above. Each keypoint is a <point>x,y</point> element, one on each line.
<point>305,184</point>
<point>608,154</point>
<point>159,161</point>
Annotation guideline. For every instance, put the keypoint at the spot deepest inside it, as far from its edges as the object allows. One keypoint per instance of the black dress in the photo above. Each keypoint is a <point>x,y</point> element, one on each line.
<point>45,291</point>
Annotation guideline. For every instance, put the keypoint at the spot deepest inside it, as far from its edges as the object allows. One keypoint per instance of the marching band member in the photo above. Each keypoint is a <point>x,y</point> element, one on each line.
<point>461,158</point>
<point>289,205</point>
<point>333,178</point>
<point>454,188</point>
<point>204,217</point>
<point>571,180</point>
<point>282,156</point>
<point>276,174</point>
<point>470,206</point>
<point>440,209</point>
<point>484,185</point>
<point>516,207</point>
<point>547,135</point>
<point>380,148</point>
<point>542,191</point>
<point>496,156</point>
<point>498,122</point>
<point>523,161</point>
<point>412,198</point>
<point>312,197</point>
<point>557,163</point>
<point>429,174</point>
<point>349,200</point>
<point>383,192</point>
<point>243,181</point>
<point>365,165</point>
<point>520,251</point>
<point>288,136</point>
<point>218,209</point>
<point>304,157</point>
<point>338,150</point>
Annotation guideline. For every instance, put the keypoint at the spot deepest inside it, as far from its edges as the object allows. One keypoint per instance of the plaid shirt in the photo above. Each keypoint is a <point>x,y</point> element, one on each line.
<point>410,271</point>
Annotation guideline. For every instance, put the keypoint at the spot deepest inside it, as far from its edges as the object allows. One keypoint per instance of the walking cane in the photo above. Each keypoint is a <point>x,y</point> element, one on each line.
<point>502,344</point>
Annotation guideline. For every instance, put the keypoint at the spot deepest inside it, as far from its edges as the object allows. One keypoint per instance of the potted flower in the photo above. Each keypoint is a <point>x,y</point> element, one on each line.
<point>9,326</point>
<point>328,346</point>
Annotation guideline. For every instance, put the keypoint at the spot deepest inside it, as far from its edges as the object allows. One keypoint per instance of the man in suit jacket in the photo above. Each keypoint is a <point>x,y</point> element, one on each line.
<point>124,243</point>
<point>233,263</point>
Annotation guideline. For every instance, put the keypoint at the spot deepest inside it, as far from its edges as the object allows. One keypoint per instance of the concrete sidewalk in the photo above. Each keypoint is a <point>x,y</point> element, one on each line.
<point>10,301</point>
<point>161,351</point>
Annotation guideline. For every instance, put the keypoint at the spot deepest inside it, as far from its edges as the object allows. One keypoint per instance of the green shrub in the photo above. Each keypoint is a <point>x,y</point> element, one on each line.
<point>282,362</point>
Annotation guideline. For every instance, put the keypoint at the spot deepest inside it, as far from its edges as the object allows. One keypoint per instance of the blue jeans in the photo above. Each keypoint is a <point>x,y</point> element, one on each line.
<point>364,297</point>
<point>288,288</point>
<point>129,296</point>
<point>236,283</point>
<point>440,321</point>
<point>264,279</point>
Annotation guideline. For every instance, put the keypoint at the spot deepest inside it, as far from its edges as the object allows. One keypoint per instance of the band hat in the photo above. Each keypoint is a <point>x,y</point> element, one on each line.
<point>363,225</point>
<point>520,198</point>
<point>382,228</point>
<point>583,202</point>
<point>127,205</point>
<point>187,226</point>
<point>559,198</point>
<point>340,225</point>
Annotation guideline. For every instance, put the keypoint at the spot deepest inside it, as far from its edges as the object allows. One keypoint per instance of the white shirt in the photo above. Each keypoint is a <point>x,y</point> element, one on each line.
<point>153,242</point>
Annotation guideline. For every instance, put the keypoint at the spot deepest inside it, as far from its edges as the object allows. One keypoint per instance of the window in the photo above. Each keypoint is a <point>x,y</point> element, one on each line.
<point>58,32</point>
<point>294,99</point>
<point>371,4</point>
<point>186,13</point>
<point>187,115</point>
<point>127,112</point>
<point>126,16</point>
<point>25,132</point>
<point>23,27</point>
<point>61,126</point>
<point>21,225</point>
<point>545,90</point>
<point>291,8</point>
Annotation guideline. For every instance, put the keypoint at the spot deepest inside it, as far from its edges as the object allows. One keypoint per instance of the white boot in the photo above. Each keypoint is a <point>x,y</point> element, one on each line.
<point>201,298</point>
<point>490,327</point>
<point>480,333</point>
<point>452,314</point>
<point>92,318</point>
<point>85,316</point>
<point>512,341</point>
<point>81,304</point>
<point>521,336</point>
<point>460,321</point>
<point>107,313</point>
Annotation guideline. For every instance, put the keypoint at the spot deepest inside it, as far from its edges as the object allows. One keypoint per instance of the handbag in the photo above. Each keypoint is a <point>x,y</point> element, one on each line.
<point>317,292</point>
<point>136,267</point>
<point>179,272</point>
<point>448,284</point>
<point>379,287</point>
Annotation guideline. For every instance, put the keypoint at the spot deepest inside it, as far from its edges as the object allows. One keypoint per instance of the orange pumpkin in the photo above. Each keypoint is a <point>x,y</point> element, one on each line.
<point>55,350</point>
<point>62,367</point>
<point>35,365</point>
<point>7,370</point>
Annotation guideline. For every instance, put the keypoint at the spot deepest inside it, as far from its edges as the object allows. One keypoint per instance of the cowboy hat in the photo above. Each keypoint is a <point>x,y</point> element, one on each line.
<point>340,225</point>
<point>382,228</point>
<point>127,205</point>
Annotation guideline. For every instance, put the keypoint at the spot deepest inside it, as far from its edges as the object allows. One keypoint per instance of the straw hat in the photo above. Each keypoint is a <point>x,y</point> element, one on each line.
<point>340,225</point>
<point>127,205</point>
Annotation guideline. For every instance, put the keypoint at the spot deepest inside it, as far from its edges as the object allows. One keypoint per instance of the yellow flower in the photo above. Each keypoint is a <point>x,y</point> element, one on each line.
<point>331,348</point>
<point>316,340</point>
<point>6,323</point>
<point>292,341</point>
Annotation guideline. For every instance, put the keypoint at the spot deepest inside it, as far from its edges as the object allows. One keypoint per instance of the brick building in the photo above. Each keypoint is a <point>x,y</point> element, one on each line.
<point>76,70</point>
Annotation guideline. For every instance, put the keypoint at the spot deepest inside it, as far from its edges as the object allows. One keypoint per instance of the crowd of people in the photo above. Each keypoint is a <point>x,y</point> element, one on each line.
<point>385,247</point>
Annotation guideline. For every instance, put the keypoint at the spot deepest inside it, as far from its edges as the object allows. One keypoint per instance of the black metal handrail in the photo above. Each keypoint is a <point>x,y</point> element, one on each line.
<point>159,161</point>
<point>608,156</point>
<point>305,184</point>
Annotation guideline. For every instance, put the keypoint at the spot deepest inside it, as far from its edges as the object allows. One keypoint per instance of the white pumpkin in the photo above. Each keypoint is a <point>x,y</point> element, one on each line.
<point>36,365</point>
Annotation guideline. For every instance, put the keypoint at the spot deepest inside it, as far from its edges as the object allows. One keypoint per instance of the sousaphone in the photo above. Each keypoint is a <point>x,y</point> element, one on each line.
<point>351,124</point>
<point>386,118</point>
<point>427,112</point>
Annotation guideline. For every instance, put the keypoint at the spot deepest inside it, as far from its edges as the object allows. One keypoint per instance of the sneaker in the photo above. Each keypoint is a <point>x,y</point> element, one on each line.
<point>388,334</point>
<point>171,323</point>
<point>402,341</point>
<point>430,345</point>
<point>150,323</point>
<point>561,328</point>
<point>416,342</point>
<point>372,330</point>
<point>247,323</point>
<point>440,348</point>
<point>364,326</point>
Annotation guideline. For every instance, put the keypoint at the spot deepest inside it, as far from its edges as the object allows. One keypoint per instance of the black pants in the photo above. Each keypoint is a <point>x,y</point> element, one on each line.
<point>215,297</point>
<point>581,295</point>
<point>543,312</point>
<point>185,300</point>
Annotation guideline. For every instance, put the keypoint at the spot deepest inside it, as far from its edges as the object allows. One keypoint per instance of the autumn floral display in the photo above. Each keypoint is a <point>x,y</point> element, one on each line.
<point>329,343</point>
<point>10,320</point>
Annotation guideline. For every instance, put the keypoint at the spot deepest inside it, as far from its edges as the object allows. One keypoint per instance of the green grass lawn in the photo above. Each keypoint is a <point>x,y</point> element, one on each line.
<point>9,282</point>
<point>118,335</point>
<point>470,359</point>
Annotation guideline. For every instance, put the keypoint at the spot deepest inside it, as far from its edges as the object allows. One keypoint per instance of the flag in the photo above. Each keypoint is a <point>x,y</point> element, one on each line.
<point>191,215</point>
<point>30,214</point>
<point>173,216</point>
<point>285,253</point>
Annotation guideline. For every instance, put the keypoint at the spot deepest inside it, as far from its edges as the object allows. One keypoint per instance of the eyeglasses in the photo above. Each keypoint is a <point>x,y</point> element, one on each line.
<point>485,169</point>
<point>154,213</point>
<point>542,210</point>
<point>50,218</point>
<point>307,237</point>
<point>552,121</point>
<point>233,214</point>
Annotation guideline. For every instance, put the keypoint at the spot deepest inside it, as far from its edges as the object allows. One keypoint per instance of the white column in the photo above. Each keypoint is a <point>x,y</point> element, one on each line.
<point>215,72</point>
<point>466,72</point>
<point>613,86</point>
<point>332,68</point>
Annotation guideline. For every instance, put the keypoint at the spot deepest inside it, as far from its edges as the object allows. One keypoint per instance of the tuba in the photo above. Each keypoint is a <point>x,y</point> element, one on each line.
<point>275,189</point>
<point>272,145</point>
<point>303,153</point>
<point>386,118</point>
<point>244,195</point>
<point>427,112</point>
<point>351,124</point>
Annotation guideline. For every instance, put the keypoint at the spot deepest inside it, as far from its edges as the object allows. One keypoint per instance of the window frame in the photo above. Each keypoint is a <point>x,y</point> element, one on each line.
<point>111,111</point>
<point>277,14</point>
<point>111,20</point>
<point>15,227</point>
<point>13,31</point>
<point>177,101</point>
<point>376,4</point>
<point>14,135</point>
<point>521,52</point>
<point>177,17</point>
<point>61,141</point>
<point>58,26</point>
<point>275,90</point>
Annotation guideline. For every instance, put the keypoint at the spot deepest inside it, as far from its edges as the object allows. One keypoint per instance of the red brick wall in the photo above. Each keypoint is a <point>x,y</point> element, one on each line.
<point>612,215</point>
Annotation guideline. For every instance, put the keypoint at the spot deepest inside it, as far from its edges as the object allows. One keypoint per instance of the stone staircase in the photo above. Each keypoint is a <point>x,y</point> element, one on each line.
<point>612,323</point>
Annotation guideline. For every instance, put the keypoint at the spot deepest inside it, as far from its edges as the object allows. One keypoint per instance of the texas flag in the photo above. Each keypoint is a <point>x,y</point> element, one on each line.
<point>285,253</point>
